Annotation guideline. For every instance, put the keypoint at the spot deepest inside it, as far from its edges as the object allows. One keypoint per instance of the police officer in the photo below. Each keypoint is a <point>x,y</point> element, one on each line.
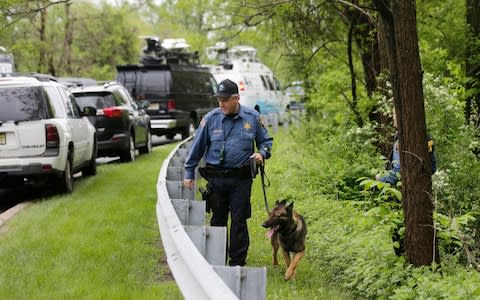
<point>393,165</point>
<point>226,137</point>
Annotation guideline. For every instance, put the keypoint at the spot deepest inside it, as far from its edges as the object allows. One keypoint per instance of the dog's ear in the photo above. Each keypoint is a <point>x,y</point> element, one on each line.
<point>290,206</point>
<point>284,202</point>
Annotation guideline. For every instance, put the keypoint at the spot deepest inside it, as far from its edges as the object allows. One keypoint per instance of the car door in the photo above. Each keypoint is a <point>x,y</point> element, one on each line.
<point>137,116</point>
<point>78,128</point>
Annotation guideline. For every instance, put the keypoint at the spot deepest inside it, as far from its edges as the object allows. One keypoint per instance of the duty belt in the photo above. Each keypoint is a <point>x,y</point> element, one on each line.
<point>217,172</point>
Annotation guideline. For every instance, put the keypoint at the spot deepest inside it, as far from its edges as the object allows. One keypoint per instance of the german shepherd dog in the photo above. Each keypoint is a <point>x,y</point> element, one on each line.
<point>287,230</point>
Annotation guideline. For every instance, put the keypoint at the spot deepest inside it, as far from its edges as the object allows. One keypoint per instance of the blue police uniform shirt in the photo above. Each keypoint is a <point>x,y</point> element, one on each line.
<point>235,135</point>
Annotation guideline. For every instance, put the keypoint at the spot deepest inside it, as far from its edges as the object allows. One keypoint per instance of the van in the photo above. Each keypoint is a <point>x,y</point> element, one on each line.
<point>258,87</point>
<point>179,91</point>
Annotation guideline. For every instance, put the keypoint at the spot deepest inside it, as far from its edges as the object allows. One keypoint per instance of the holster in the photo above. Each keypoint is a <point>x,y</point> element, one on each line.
<point>207,196</point>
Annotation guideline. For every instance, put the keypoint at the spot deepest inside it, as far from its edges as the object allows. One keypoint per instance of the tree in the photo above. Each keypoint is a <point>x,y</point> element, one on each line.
<point>472,106</point>
<point>398,24</point>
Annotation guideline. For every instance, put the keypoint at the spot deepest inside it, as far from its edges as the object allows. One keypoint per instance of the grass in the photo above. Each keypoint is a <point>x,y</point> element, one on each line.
<point>102,242</point>
<point>310,281</point>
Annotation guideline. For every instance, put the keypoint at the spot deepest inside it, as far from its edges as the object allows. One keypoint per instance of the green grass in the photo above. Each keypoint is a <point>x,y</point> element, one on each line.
<point>101,242</point>
<point>310,281</point>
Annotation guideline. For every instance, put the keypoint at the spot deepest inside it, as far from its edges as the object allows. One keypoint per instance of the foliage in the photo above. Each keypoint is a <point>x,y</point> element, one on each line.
<point>351,241</point>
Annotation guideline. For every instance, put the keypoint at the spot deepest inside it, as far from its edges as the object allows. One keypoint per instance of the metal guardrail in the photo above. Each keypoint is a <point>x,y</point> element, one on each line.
<point>195,252</point>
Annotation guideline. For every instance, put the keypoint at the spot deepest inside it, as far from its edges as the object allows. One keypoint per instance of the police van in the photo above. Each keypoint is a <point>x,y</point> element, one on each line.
<point>258,87</point>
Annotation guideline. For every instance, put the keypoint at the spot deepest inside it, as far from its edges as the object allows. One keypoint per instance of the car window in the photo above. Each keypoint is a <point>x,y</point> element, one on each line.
<point>75,108</point>
<point>264,81</point>
<point>154,83</point>
<point>270,83</point>
<point>126,97</point>
<point>183,82</point>
<point>277,83</point>
<point>58,106</point>
<point>213,85</point>
<point>22,104</point>
<point>97,100</point>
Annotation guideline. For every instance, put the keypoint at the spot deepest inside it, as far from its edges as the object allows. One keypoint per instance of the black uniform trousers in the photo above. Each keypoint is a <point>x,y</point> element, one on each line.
<point>232,195</point>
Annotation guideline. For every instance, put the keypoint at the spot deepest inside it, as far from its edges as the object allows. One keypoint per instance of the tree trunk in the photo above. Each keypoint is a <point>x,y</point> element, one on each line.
<point>42,56</point>
<point>67,56</point>
<point>398,20</point>
<point>472,106</point>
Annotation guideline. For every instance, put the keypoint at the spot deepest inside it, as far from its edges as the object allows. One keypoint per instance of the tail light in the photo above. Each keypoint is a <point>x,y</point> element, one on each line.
<point>241,86</point>
<point>53,140</point>
<point>171,104</point>
<point>112,112</point>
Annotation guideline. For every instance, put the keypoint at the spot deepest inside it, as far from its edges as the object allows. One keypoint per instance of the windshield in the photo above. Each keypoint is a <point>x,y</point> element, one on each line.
<point>22,104</point>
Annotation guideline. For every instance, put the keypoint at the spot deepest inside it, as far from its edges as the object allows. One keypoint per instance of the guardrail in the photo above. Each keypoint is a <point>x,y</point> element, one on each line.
<point>195,252</point>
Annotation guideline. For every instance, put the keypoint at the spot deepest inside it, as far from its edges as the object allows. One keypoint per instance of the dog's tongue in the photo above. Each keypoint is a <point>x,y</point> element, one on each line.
<point>270,232</point>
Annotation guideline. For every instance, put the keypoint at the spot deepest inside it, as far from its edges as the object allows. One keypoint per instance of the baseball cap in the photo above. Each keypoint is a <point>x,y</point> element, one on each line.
<point>226,88</point>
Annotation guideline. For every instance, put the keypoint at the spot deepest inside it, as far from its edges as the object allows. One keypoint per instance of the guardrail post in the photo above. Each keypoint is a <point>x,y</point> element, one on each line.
<point>176,190</point>
<point>196,254</point>
<point>210,241</point>
<point>190,212</point>
<point>245,282</point>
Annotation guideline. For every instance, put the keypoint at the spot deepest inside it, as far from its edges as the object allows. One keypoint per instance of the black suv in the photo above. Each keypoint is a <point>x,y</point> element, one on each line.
<point>122,124</point>
<point>178,91</point>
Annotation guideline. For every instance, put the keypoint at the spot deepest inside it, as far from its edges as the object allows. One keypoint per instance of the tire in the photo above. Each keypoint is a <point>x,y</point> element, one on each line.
<point>91,169</point>
<point>149,145</point>
<point>66,181</point>
<point>189,129</point>
<point>128,155</point>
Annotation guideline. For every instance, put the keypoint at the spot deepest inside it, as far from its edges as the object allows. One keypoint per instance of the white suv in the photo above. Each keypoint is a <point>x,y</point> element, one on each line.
<point>44,137</point>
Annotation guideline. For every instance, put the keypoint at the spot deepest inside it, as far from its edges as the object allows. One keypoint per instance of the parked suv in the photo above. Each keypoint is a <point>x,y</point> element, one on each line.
<point>44,136</point>
<point>179,91</point>
<point>122,124</point>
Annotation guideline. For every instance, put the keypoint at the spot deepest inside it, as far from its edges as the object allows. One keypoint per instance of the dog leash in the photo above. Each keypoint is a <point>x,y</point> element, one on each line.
<point>262,176</point>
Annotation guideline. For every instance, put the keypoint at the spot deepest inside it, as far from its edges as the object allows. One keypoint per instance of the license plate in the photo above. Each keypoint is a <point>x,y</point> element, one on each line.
<point>3,138</point>
<point>153,106</point>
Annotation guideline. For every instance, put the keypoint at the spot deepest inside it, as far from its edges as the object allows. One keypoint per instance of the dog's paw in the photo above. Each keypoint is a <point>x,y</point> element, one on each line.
<point>289,274</point>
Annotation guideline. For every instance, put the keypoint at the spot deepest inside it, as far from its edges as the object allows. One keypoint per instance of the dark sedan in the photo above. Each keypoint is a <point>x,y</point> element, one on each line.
<point>122,125</point>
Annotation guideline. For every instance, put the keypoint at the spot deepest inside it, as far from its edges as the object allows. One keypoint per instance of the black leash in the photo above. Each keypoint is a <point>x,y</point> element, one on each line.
<point>262,176</point>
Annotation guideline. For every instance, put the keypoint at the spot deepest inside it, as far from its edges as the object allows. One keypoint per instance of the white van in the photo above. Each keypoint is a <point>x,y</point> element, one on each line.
<point>258,87</point>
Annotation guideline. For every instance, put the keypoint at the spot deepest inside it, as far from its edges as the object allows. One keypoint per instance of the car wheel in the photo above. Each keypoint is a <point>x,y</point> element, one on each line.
<point>149,145</point>
<point>188,130</point>
<point>129,154</point>
<point>66,181</point>
<point>91,169</point>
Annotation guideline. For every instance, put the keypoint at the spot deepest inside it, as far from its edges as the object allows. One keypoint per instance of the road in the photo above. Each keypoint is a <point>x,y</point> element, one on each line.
<point>13,196</point>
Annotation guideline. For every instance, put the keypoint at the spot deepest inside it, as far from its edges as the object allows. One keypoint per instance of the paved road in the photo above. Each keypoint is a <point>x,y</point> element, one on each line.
<point>11,197</point>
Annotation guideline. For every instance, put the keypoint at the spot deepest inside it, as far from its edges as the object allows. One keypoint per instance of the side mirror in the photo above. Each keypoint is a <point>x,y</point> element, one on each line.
<point>89,111</point>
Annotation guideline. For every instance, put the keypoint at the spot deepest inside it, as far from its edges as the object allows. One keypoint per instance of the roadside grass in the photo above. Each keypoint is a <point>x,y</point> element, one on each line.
<point>311,281</point>
<point>101,242</point>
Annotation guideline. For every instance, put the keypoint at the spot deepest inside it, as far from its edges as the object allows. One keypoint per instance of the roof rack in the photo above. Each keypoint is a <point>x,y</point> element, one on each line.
<point>38,76</point>
<point>168,51</point>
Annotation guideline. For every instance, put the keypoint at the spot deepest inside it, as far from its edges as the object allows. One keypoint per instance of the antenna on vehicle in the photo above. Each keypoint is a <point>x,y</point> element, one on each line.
<point>168,51</point>
<point>225,55</point>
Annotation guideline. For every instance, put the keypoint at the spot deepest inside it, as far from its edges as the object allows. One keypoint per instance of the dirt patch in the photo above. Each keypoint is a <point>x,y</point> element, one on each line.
<point>162,270</point>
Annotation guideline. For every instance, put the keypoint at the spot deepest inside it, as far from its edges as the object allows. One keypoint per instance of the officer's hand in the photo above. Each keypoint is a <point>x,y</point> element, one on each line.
<point>258,158</point>
<point>189,183</point>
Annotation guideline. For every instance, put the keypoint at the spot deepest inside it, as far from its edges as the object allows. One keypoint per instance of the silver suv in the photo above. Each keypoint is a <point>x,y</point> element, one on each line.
<point>44,137</point>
